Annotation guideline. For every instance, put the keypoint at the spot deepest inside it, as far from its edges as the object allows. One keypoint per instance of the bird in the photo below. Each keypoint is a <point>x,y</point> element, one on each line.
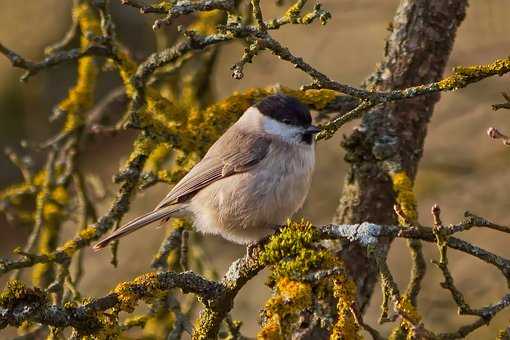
<point>253,178</point>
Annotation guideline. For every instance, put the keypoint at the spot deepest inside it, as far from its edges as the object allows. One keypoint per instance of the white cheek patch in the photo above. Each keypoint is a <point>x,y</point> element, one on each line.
<point>287,132</point>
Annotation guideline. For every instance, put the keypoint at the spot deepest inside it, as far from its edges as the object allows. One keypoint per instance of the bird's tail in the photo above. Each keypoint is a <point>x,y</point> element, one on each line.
<point>139,222</point>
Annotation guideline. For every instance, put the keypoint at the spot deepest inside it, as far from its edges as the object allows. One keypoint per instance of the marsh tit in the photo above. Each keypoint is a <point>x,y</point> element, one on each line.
<point>254,177</point>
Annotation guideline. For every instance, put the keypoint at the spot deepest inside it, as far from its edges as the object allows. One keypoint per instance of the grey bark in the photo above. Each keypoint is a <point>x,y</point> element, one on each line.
<point>416,52</point>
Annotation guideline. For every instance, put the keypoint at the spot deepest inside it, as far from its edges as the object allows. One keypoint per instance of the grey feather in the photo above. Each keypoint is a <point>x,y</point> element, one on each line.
<point>245,151</point>
<point>138,223</point>
<point>235,152</point>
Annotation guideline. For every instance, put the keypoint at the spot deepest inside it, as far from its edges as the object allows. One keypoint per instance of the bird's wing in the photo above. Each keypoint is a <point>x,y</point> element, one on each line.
<point>233,153</point>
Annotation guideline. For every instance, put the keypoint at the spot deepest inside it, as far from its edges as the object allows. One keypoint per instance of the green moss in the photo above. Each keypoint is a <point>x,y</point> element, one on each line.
<point>289,253</point>
<point>293,254</point>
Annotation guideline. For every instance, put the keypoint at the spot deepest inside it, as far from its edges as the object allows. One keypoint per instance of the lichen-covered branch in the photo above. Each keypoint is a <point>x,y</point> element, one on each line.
<point>20,303</point>
<point>54,59</point>
<point>168,99</point>
<point>218,297</point>
<point>389,141</point>
<point>505,105</point>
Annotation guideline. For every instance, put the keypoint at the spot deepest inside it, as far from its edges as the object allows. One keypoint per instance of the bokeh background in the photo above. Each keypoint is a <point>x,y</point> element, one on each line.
<point>461,169</point>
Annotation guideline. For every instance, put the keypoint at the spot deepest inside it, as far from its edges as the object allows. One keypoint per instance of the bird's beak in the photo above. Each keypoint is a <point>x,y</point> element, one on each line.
<point>313,129</point>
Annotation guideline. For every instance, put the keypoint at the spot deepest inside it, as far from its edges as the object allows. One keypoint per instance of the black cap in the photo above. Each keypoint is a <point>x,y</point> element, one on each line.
<point>285,109</point>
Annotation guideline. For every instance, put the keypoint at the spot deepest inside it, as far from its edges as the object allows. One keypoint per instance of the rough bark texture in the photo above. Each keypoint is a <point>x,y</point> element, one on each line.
<point>416,52</point>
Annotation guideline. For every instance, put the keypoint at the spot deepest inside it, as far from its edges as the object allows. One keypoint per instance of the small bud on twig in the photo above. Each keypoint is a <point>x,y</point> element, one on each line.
<point>436,214</point>
<point>494,133</point>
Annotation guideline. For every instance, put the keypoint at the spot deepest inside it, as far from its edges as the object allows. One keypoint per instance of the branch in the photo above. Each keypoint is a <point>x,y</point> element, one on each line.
<point>218,297</point>
<point>129,178</point>
<point>505,105</point>
<point>461,77</point>
<point>186,7</point>
<point>143,8</point>
<point>20,304</point>
<point>56,58</point>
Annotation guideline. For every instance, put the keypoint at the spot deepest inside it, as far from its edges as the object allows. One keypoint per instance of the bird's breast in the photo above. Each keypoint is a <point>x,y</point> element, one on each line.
<point>245,206</point>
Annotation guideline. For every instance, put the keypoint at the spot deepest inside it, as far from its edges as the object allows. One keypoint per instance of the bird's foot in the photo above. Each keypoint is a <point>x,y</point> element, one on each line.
<point>252,246</point>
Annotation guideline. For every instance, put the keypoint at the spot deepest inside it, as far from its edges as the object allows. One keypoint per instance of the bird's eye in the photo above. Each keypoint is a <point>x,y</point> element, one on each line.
<point>286,121</point>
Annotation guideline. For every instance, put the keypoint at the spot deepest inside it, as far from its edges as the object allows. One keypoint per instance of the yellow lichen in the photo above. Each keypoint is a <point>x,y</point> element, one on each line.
<point>42,273</point>
<point>14,192</point>
<point>60,195</point>
<point>135,321</point>
<point>16,293</point>
<point>159,115</point>
<point>166,5</point>
<point>412,317</point>
<point>406,200</point>
<point>207,21</point>
<point>128,293</point>
<point>346,327</point>
<point>69,248</point>
<point>87,233</point>
<point>400,332</point>
<point>317,99</point>
<point>50,211</point>
<point>281,310</point>
<point>293,256</point>
<point>503,334</point>
<point>142,146</point>
<point>81,96</point>
<point>294,11</point>
<point>406,307</point>
<point>462,76</point>
<point>127,68</point>
<point>48,215</point>
<point>157,157</point>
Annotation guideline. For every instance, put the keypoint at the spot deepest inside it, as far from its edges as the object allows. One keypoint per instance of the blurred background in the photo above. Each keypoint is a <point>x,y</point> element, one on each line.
<point>462,169</point>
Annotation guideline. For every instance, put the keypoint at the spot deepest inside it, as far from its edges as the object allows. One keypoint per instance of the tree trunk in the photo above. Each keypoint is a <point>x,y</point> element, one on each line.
<point>423,32</point>
<point>416,52</point>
